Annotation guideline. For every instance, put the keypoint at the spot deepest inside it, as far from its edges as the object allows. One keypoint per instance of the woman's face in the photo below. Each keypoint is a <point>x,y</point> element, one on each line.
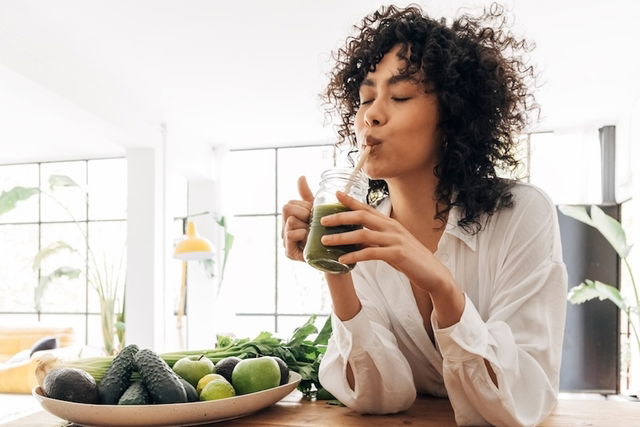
<point>398,119</point>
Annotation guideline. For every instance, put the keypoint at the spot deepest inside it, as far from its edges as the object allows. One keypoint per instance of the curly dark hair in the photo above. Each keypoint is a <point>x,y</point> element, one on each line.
<point>477,69</point>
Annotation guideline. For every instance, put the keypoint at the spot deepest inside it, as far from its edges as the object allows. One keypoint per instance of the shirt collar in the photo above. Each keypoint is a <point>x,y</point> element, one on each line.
<point>471,240</point>
<point>452,228</point>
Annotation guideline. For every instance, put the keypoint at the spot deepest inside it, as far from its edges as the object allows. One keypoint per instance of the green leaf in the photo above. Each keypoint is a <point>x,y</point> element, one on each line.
<point>61,181</point>
<point>43,283</point>
<point>208,266</point>
<point>306,372</point>
<point>228,244</point>
<point>611,230</point>
<point>301,333</point>
<point>577,212</point>
<point>589,290</point>
<point>223,341</point>
<point>265,337</point>
<point>325,333</point>
<point>9,199</point>
<point>51,249</point>
<point>222,222</point>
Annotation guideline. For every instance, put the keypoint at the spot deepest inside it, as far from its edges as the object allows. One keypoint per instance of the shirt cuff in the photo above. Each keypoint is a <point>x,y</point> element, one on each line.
<point>464,340</point>
<point>354,336</point>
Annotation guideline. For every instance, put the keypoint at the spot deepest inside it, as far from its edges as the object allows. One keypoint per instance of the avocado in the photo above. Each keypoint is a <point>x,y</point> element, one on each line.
<point>192,394</point>
<point>284,370</point>
<point>225,366</point>
<point>70,384</point>
<point>46,343</point>
<point>118,377</point>
<point>163,384</point>
<point>136,394</point>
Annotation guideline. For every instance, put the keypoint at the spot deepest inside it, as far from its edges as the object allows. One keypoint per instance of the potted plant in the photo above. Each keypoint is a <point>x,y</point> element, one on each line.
<point>613,231</point>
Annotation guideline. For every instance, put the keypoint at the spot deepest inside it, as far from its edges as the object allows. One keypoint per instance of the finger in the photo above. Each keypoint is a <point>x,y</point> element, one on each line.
<point>293,237</point>
<point>304,190</point>
<point>370,220</point>
<point>365,254</point>
<point>363,237</point>
<point>294,223</point>
<point>294,244</point>
<point>302,203</point>
<point>300,212</point>
<point>352,203</point>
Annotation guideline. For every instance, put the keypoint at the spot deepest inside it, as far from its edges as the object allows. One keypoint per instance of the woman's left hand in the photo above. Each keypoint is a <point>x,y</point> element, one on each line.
<point>383,238</point>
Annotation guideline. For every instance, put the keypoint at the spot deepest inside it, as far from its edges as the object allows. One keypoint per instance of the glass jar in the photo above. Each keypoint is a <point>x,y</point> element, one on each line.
<point>325,258</point>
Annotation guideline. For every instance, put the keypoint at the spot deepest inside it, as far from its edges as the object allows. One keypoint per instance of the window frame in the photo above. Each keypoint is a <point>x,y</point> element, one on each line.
<point>85,313</point>
<point>277,215</point>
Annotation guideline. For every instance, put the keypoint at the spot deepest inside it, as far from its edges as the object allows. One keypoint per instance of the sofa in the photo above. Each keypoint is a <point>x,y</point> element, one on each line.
<point>17,363</point>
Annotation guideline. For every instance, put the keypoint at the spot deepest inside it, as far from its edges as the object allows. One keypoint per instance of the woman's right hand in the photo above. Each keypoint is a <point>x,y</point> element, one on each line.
<point>295,221</point>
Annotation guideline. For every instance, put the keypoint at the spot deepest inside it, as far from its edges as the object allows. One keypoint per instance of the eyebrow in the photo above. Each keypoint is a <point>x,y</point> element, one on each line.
<point>390,81</point>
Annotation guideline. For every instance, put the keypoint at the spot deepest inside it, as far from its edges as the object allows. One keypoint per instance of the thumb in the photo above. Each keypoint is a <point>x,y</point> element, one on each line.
<point>304,190</point>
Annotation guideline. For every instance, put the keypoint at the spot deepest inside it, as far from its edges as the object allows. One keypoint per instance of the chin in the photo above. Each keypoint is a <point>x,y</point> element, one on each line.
<point>375,173</point>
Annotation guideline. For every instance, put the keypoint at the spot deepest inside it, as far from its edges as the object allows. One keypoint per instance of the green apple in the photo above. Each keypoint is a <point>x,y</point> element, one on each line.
<point>217,389</point>
<point>206,380</point>
<point>251,375</point>
<point>192,368</point>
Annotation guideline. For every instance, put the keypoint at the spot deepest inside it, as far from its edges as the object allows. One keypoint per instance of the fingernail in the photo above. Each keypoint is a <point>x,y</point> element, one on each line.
<point>322,220</point>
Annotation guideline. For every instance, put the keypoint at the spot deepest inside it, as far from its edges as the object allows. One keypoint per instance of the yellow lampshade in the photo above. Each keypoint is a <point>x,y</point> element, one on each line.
<point>192,246</point>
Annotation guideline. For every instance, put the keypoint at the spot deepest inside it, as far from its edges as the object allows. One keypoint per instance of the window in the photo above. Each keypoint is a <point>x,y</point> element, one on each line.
<point>99,207</point>
<point>284,293</point>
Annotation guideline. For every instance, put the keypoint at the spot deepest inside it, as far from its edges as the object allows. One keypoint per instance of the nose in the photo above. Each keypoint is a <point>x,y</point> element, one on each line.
<point>375,115</point>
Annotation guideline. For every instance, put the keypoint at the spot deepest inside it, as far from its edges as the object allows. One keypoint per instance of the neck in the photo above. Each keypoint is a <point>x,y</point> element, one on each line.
<point>413,201</point>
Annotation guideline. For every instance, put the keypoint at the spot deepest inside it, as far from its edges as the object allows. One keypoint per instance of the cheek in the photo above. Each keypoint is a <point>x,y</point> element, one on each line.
<point>358,121</point>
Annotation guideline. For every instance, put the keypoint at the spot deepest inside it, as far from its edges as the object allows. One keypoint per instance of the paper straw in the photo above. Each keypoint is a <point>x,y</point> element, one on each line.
<point>356,170</point>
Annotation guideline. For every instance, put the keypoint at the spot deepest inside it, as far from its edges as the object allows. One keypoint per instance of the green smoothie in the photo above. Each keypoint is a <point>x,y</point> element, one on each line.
<point>323,257</point>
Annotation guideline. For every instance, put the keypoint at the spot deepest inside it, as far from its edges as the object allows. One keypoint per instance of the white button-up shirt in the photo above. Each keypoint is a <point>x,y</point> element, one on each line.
<point>515,284</point>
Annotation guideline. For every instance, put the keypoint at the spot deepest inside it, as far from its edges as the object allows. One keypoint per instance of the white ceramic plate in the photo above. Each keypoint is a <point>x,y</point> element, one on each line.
<point>163,415</point>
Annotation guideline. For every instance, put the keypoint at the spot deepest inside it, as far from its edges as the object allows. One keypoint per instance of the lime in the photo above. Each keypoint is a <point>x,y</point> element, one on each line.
<point>217,389</point>
<point>206,380</point>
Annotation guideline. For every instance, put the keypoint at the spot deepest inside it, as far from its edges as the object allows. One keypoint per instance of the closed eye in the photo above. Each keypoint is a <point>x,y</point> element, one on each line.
<point>397,99</point>
<point>366,101</point>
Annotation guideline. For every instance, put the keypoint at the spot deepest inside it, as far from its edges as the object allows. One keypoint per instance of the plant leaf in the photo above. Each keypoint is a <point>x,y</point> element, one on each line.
<point>61,181</point>
<point>589,290</point>
<point>9,199</point>
<point>228,244</point>
<point>209,267</point>
<point>51,249</point>
<point>611,230</point>
<point>577,212</point>
<point>301,333</point>
<point>325,333</point>
<point>43,283</point>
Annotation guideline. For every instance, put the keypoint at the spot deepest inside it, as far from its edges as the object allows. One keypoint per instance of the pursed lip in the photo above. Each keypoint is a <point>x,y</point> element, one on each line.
<point>372,141</point>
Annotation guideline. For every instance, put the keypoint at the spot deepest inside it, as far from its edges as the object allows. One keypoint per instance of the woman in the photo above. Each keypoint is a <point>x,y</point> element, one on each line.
<point>459,288</point>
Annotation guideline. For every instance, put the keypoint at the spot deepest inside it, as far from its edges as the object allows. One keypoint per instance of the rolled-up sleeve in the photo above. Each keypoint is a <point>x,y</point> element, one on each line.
<point>521,338</point>
<point>383,378</point>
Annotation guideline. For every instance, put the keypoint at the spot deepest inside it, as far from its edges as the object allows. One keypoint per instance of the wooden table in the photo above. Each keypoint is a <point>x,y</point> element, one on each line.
<point>292,411</point>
